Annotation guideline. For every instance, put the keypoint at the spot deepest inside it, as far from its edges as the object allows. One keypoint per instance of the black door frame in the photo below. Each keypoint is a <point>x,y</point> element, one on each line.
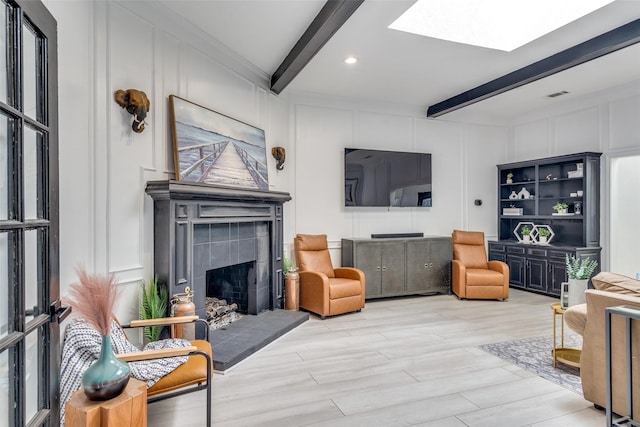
<point>44,317</point>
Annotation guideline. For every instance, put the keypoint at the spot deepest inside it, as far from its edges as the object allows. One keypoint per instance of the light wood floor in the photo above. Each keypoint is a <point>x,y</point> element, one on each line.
<point>409,361</point>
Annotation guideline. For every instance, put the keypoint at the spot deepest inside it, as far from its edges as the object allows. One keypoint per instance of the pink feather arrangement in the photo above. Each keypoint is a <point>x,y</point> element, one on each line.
<point>93,298</point>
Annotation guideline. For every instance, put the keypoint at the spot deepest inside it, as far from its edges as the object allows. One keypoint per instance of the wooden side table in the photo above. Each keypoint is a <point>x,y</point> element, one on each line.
<point>129,409</point>
<point>569,356</point>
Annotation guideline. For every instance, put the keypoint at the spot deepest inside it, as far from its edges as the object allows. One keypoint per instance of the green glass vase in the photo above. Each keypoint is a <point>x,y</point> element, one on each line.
<point>106,378</point>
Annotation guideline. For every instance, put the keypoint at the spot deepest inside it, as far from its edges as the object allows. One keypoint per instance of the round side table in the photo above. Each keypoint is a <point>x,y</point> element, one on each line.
<point>569,356</point>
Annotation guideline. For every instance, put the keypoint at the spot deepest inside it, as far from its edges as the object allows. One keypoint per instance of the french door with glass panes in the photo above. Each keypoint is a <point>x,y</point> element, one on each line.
<point>29,265</point>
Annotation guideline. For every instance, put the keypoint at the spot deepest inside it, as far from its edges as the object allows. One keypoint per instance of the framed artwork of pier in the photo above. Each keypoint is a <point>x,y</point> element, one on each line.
<point>211,148</point>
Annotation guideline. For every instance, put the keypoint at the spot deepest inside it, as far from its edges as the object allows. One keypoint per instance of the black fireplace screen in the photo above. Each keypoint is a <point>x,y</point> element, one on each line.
<point>233,283</point>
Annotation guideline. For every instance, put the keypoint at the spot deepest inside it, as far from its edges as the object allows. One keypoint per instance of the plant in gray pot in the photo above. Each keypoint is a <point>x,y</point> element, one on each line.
<point>579,271</point>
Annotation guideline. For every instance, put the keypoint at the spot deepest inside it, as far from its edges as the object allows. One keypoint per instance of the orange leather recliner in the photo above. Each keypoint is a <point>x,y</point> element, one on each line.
<point>473,276</point>
<point>324,290</point>
<point>193,375</point>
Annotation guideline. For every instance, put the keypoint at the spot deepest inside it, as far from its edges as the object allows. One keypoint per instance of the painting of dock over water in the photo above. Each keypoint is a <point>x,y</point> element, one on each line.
<point>212,148</point>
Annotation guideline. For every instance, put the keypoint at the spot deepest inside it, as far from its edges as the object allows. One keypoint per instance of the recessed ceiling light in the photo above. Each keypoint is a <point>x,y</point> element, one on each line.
<point>496,24</point>
<point>351,60</point>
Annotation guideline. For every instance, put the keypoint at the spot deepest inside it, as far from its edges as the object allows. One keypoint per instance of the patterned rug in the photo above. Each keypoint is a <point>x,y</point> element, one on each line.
<point>534,355</point>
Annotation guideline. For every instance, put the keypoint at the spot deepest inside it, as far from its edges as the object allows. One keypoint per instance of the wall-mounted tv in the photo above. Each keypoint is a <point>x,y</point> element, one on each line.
<point>386,178</point>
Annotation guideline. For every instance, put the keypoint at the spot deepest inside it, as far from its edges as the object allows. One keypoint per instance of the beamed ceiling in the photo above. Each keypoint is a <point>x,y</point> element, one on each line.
<point>301,45</point>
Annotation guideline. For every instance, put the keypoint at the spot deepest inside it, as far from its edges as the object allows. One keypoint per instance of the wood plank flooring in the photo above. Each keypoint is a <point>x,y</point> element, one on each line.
<point>400,362</point>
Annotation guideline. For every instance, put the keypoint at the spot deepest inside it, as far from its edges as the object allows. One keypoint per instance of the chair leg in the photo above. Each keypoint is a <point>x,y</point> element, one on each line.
<point>208,390</point>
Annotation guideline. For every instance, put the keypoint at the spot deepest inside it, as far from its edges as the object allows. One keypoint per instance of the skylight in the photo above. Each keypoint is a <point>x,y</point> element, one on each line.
<point>495,24</point>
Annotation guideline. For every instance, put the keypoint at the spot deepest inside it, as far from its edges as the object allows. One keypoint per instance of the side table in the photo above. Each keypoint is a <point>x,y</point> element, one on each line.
<point>129,409</point>
<point>569,356</point>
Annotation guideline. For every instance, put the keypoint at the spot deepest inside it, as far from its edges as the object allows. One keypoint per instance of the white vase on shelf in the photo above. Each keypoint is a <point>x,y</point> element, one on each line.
<point>524,194</point>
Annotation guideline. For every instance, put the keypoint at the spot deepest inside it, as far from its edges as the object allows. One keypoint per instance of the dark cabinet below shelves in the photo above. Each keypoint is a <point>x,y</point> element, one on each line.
<point>538,268</point>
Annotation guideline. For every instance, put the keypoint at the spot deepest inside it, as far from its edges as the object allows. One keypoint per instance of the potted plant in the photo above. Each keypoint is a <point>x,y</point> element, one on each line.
<point>153,305</point>
<point>509,178</point>
<point>526,233</point>
<point>579,271</point>
<point>560,207</point>
<point>291,285</point>
<point>544,234</point>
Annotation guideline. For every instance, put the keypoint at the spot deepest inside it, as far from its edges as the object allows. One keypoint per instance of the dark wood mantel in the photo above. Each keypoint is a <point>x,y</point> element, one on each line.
<point>184,190</point>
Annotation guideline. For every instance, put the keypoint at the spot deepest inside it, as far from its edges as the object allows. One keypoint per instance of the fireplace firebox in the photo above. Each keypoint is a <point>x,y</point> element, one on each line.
<point>235,284</point>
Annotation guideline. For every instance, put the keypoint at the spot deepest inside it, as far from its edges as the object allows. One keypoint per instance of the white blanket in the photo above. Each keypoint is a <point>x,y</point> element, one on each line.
<point>81,349</point>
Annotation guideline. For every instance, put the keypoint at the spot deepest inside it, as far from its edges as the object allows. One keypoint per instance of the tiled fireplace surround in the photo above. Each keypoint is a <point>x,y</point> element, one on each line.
<point>199,228</point>
<point>231,262</point>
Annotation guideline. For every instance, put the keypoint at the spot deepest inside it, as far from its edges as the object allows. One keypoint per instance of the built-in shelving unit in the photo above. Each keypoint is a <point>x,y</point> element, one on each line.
<point>527,192</point>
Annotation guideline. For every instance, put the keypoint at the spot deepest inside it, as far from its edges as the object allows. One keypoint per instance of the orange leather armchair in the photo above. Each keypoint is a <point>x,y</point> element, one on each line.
<point>194,375</point>
<point>324,290</point>
<point>473,276</point>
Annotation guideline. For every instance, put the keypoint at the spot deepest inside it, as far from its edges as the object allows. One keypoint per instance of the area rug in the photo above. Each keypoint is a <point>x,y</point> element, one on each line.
<point>534,355</point>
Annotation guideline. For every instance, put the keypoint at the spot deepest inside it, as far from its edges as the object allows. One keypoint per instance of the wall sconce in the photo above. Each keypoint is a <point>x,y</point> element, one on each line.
<point>278,153</point>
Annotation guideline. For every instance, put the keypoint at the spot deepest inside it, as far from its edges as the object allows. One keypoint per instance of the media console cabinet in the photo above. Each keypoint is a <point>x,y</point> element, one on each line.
<point>401,266</point>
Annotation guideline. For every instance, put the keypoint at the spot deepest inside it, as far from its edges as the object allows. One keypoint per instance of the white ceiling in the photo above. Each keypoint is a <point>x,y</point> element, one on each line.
<point>409,69</point>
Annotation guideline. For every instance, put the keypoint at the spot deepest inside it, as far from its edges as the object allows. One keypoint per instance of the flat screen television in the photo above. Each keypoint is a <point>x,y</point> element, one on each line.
<point>387,178</point>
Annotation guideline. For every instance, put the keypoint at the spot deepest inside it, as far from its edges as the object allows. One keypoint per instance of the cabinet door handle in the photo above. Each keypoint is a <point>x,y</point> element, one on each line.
<point>431,265</point>
<point>426,265</point>
<point>384,268</point>
<point>378,268</point>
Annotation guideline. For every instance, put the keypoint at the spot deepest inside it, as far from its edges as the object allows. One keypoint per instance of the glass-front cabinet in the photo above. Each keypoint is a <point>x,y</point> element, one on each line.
<point>547,209</point>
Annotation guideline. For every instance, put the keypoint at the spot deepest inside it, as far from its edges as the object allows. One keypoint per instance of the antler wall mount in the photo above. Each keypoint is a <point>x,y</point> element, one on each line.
<point>136,103</point>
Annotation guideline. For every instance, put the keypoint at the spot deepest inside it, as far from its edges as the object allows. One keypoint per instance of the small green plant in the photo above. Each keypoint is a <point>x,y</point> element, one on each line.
<point>526,230</point>
<point>510,175</point>
<point>558,207</point>
<point>544,232</point>
<point>153,305</point>
<point>580,269</point>
<point>287,265</point>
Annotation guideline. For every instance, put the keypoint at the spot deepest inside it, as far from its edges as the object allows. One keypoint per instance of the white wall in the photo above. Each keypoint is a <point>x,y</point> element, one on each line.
<point>624,231</point>
<point>464,168</point>
<point>608,122</point>
<point>106,220</point>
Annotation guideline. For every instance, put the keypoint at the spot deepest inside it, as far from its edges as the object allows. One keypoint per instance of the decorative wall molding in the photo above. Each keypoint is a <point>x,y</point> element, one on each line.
<point>191,35</point>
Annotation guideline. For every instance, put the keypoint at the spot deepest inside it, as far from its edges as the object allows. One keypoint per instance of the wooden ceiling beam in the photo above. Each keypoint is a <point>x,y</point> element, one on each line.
<point>596,47</point>
<point>330,18</point>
